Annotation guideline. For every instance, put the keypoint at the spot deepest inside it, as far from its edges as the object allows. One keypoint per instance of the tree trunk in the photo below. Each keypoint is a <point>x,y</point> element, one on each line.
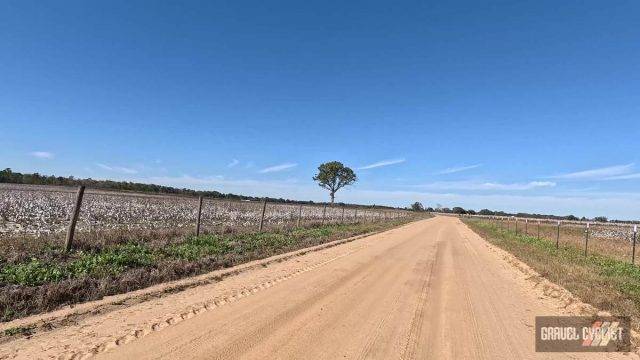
<point>333,196</point>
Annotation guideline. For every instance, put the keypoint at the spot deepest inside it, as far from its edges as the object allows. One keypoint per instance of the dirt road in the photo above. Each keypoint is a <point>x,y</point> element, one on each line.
<point>429,290</point>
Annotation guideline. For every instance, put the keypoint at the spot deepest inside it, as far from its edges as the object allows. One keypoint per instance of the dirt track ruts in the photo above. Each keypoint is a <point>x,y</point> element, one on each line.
<point>431,289</point>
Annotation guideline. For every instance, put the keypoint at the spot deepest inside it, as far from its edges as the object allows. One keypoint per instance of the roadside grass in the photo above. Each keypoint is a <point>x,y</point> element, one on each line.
<point>19,330</point>
<point>50,279</point>
<point>603,281</point>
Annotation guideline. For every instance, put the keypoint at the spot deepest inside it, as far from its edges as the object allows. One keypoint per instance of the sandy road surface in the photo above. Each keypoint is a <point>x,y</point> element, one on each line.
<point>429,290</point>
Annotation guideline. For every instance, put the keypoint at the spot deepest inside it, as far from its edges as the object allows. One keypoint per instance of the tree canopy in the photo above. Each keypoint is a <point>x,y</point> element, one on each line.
<point>417,206</point>
<point>333,176</point>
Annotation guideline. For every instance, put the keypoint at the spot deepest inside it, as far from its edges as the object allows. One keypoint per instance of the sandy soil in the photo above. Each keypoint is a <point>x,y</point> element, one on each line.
<point>431,289</point>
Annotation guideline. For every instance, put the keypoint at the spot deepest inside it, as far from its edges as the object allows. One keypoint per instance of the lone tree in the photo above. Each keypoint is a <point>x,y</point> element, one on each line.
<point>333,176</point>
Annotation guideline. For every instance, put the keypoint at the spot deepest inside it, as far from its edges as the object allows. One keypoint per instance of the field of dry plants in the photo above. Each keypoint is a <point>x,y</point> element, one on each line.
<point>609,239</point>
<point>127,241</point>
<point>43,210</point>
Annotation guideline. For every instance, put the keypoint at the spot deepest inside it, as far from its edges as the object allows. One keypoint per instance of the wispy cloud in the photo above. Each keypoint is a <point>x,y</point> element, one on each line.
<point>277,168</point>
<point>604,173</point>
<point>518,186</point>
<point>187,180</point>
<point>233,163</point>
<point>625,177</point>
<point>288,188</point>
<point>382,163</point>
<point>42,154</point>
<point>457,169</point>
<point>118,169</point>
<point>474,186</point>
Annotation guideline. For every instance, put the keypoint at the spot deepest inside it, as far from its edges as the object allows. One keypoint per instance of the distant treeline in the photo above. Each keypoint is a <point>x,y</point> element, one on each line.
<point>487,212</point>
<point>9,176</point>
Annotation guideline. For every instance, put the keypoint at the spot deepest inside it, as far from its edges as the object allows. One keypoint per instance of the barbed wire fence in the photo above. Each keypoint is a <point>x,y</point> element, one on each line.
<point>40,211</point>
<point>617,240</point>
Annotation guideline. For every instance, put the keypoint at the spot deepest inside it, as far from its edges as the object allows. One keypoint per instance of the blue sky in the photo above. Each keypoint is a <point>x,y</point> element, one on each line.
<point>520,106</point>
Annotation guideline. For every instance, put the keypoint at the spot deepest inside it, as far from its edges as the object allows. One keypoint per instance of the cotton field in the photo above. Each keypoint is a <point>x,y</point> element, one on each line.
<point>41,210</point>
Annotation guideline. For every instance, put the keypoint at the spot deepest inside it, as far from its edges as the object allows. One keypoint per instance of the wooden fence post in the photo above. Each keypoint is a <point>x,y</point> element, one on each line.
<point>526,227</point>
<point>586,239</point>
<point>538,229</point>
<point>516,226</point>
<point>299,215</point>
<point>558,236</point>
<point>74,219</point>
<point>324,213</point>
<point>633,251</point>
<point>264,207</point>
<point>342,216</point>
<point>355,215</point>
<point>199,216</point>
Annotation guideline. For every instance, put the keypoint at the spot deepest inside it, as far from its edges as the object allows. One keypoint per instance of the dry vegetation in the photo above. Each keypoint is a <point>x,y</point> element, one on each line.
<point>42,211</point>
